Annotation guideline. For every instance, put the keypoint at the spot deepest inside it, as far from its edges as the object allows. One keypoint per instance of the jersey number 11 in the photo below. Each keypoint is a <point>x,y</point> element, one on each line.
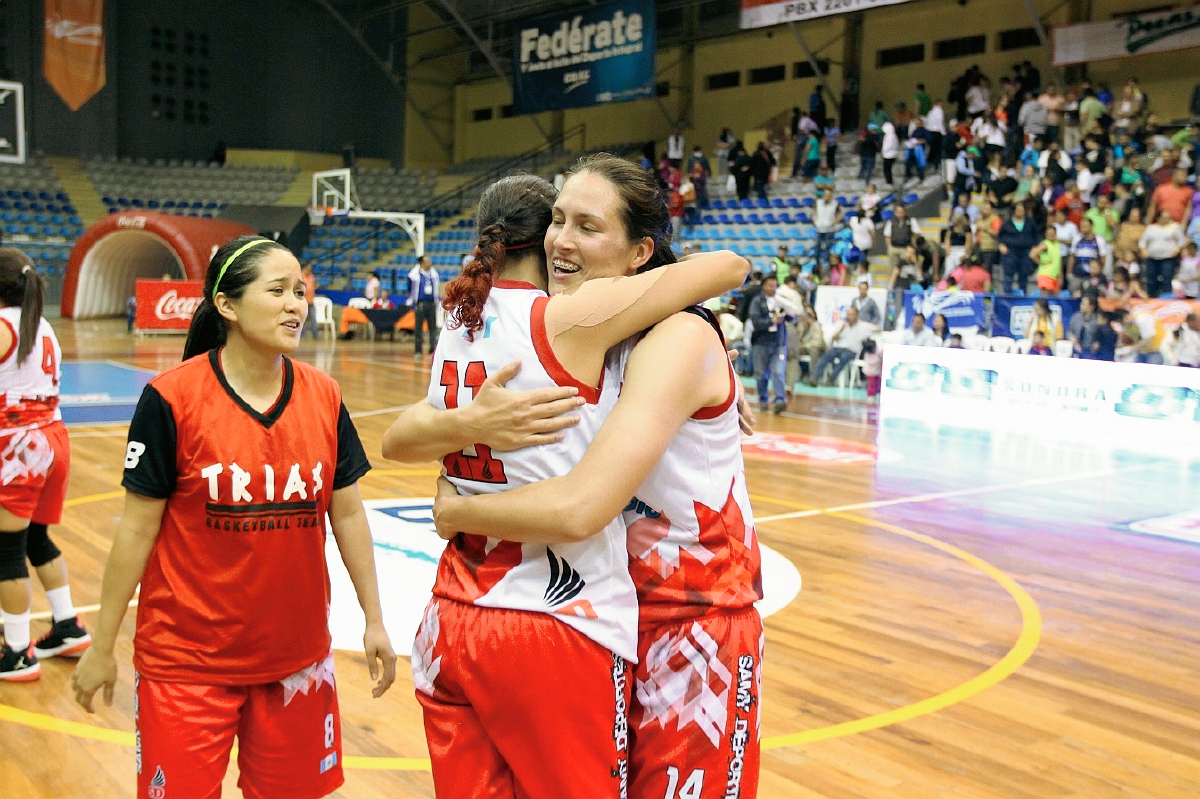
<point>479,465</point>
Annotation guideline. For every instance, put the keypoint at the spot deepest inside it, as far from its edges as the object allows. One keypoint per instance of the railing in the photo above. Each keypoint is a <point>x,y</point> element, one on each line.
<point>529,161</point>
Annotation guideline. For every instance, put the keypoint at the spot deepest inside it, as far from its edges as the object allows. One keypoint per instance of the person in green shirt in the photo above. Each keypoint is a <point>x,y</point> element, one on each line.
<point>1104,218</point>
<point>922,100</point>
<point>783,266</point>
<point>1090,109</point>
<point>1049,259</point>
<point>878,116</point>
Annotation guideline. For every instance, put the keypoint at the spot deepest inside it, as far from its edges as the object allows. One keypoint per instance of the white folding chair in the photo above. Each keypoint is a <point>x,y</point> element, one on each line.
<point>323,307</point>
<point>1063,348</point>
<point>362,303</point>
<point>1023,346</point>
<point>1001,344</point>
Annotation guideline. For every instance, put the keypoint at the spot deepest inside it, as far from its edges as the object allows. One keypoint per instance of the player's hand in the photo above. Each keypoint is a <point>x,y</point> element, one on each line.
<point>507,420</point>
<point>746,417</point>
<point>446,492</point>
<point>378,649</point>
<point>95,670</point>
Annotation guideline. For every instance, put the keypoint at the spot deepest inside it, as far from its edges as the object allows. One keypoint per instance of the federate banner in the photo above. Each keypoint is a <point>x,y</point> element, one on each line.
<point>760,13</point>
<point>832,302</point>
<point>964,310</point>
<point>12,122</point>
<point>74,49</point>
<point>598,54</point>
<point>1011,315</point>
<point>945,391</point>
<point>167,305</point>
<point>1150,32</point>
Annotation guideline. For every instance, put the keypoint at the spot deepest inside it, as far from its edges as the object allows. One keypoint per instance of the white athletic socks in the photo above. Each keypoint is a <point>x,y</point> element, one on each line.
<point>60,603</point>
<point>16,630</point>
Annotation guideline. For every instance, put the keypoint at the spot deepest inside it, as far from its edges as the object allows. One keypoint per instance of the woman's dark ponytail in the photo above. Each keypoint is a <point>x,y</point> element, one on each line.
<point>21,286</point>
<point>232,268</point>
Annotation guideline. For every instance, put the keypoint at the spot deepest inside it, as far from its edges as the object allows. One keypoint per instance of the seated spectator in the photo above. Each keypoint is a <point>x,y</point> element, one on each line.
<point>843,349</point>
<point>869,201</point>
<point>1188,335</point>
<point>824,179</point>
<point>811,338</point>
<point>862,230</point>
<point>1038,347</point>
<point>838,274</point>
<point>970,275</point>
<point>918,335</point>
<point>382,301</point>
<point>372,289</point>
<point>1124,287</point>
<point>1096,282</point>
<point>940,327</point>
<point>1043,321</point>
<point>955,342</point>
<point>868,309</point>
<point>1084,329</point>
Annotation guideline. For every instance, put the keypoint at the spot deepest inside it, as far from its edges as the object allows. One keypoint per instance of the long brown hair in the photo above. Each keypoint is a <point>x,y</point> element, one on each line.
<point>514,213</point>
<point>20,285</point>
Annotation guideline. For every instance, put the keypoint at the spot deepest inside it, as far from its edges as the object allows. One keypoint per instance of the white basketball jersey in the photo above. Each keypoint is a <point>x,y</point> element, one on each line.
<point>30,389</point>
<point>692,544</point>
<point>586,584</point>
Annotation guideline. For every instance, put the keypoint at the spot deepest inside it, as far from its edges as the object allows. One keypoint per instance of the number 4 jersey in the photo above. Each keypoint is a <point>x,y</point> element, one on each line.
<point>30,388</point>
<point>587,584</point>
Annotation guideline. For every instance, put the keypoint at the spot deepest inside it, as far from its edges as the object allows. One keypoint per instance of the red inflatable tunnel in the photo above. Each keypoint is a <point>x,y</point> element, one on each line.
<point>113,253</point>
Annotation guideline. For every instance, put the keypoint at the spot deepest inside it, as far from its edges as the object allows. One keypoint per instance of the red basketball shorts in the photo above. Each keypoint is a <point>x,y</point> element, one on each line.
<point>694,721</point>
<point>54,492</point>
<point>519,704</point>
<point>25,459</point>
<point>289,737</point>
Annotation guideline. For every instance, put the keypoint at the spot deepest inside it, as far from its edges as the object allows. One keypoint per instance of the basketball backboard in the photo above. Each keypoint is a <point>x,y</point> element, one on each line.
<point>334,189</point>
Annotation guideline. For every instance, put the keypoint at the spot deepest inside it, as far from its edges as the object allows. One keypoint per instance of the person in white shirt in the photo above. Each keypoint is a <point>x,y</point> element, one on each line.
<point>372,289</point>
<point>1188,351</point>
<point>935,123</point>
<point>863,231</point>
<point>918,335</point>
<point>675,149</point>
<point>1065,231</point>
<point>827,219</point>
<point>845,347</point>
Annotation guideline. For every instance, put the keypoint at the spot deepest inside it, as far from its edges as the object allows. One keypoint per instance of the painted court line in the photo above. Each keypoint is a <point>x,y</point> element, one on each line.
<point>380,412</point>
<point>85,609</point>
<point>962,492</point>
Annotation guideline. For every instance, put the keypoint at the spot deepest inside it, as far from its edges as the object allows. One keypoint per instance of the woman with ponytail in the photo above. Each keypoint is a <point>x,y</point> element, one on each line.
<point>34,467</point>
<point>502,610</point>
<point>235,456</point>
<point>673,443</point>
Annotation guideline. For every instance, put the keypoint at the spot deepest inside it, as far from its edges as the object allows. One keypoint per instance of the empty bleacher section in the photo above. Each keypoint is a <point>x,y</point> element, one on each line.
<point>394,189</point>
<point>37,216</point>
<point>185,187</point>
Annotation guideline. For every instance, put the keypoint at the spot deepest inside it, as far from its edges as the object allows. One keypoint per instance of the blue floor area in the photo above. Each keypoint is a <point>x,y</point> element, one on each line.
<point>94,392</point>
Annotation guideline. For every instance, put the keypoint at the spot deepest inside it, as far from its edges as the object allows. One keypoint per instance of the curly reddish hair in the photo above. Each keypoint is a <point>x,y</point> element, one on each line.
<point>514,212</point>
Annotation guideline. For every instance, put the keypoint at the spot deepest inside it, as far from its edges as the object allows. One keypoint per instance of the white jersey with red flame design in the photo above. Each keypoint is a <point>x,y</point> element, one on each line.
<point>692,544</point>
<point>587,584</point>
<point>30,389</point>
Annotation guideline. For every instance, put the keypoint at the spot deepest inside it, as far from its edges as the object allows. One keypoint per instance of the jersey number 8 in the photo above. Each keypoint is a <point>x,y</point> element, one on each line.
<point>478,466</point>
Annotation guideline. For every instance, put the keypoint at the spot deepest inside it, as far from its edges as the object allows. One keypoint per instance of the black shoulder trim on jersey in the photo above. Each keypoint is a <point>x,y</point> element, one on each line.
<point>710,317</point>
<point>272,415</point>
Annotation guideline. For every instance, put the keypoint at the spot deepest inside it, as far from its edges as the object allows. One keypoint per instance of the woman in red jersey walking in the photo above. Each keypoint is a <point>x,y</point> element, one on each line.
<point>234,458</point>
<point>34,465</point>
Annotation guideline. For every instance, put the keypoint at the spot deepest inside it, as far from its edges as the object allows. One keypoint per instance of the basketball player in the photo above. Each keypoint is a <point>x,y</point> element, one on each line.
<point>33,474</point>
<point>672,443</point>
<point>234,458</point>
<point>501,610</point>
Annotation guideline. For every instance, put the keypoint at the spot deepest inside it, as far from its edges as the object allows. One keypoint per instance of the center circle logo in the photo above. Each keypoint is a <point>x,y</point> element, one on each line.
<point>793,448</point>
<point>407,549</point>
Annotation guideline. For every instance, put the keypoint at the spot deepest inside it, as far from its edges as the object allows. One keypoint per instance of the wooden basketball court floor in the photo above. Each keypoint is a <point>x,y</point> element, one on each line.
<point>976,619</point>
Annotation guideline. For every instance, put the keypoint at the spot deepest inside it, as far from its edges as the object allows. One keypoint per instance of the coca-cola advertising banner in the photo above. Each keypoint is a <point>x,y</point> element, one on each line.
<point>167,304</point>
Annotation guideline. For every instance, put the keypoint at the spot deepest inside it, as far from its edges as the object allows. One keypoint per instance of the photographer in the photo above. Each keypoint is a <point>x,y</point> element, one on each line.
<point>768,342</point>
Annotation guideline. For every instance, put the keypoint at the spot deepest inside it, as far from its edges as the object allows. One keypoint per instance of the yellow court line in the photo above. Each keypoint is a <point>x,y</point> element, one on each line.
<point>404,473</point>
<point>1027,642</point>
<point>71,503</point>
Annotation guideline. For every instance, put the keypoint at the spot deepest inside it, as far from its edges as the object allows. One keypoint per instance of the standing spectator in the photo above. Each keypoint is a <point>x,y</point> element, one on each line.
<point>918,335</point>
<point>677,205</point>
<point>1188,351</point>
<point>724,144</point>
<point>1071,132</point>
<point>760,171</point>
<point>922,101</point>
<point>422,298</point>
<point>916,148</point>
<point>1090,110</point>
<point>1043,321</point>
<point>862,232</point>
<point>964,171</point>
<point>868,309</point>
<point>872,369</point>
<point>1065,231</point>
<point>971,276</point>
<point>750,290</point>
<point>700,187</point>
<point>878,116</point>
<point>372,289</point>
<point>869,202</point>
<point>1072,202</point>
<point>890,150</point>
<point>935,123</point>
<point>1084,329</point>
<point>310,296</point>
<point>1175,197</point>
<point>1189,272</point>
<point>1160,248</point>
<point>811,341</point>
<point>698,157</point>
<point>832,134</point>
<point>827,220</point>
<point>1129,234</point>
<point>957,241</point>
<point>838,274</point>
<point>781,264</point>
<point>1053,102</point>
<point>675,149</point>
<point>868,148</point>
<point>1105,221</point>
<point>1127,109</point>
<point>843,349</point>
<point>1016,238</point>
<point>1048,255</point>
<point>987,227</point>
<point>823,180</point>
<point>1033,118</point>
<point>816,106</point>
<point>742,172</point>
<point>899,232</point>
<point>979,99</point>
<point>768,343</point>
<point>812,154</point>
<point>1086,249</point>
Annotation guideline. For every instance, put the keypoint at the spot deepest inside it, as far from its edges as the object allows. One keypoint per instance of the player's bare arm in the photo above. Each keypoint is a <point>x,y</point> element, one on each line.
<point>677,369</point>
<point>135,537</point>
<point>353,535</point>
<point>502,419</point>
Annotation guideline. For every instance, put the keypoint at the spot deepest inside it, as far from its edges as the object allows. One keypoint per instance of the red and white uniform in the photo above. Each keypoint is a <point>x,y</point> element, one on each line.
<point>520,662</point>
<point>694,558</point>
<point>27,440</point>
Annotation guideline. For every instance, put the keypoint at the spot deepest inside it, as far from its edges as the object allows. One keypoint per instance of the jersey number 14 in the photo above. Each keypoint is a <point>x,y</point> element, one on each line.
<point>479,465</point>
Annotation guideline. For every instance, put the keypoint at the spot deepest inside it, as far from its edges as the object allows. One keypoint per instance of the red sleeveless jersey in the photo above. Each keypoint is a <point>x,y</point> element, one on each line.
<point>236,590</point>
